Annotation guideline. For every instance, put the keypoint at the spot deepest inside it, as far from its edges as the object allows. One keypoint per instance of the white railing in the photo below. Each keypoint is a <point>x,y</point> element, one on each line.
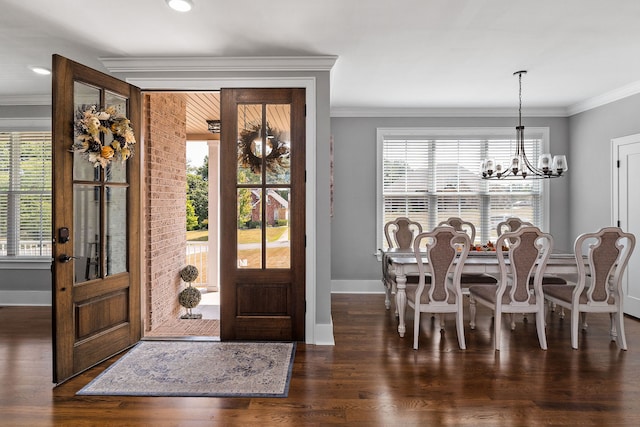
<point>29,248</point>
<point>197,255</point>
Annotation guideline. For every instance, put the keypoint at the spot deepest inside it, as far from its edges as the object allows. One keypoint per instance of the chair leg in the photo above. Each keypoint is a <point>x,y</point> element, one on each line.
<point>497,329</point>
<point>542,336</point>
<point>387,296</point>
<point>442,321</point>
<point>613,333</point>
<point>575,314</point>
<point>460,328</point>
<point>583,315</point>
<point>472,312</point>
<point>416,328</point>
<point>621,339</point>
<point>512,317</point>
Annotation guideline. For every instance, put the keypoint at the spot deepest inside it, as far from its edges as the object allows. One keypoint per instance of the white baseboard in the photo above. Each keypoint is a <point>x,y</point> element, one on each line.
<point>357,287</point>
<point>324,334</point>
<point>40,298</point>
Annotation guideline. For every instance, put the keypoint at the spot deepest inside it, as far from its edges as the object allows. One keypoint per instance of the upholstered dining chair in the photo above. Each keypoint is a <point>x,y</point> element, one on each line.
<point>599,285</point>
<point>528,251</point>
<point>467,279</point>
<point>446,250</point>
<point>399,234</point>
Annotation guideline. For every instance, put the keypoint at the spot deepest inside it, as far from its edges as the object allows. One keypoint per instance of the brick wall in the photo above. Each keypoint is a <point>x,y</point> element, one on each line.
<point>165,182</point>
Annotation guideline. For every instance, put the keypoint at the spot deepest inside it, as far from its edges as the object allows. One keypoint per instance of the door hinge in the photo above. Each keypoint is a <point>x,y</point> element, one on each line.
<point>305,176</point>
<point>618,164</point>
<point>305,240</point>
<point>618,223</point>
<point>305,110</point>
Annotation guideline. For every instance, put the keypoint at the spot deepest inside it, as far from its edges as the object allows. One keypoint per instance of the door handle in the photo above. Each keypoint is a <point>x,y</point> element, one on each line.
<point>65,258</point>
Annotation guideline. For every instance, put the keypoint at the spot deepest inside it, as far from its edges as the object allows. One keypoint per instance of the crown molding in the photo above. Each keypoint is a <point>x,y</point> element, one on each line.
<point>446,112</point>
<point>249,63</point>
<point>605,98</point>
<point>25,100</point>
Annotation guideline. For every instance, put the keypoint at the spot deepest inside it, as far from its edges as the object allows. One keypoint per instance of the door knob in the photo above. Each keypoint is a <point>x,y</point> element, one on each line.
<point>65,258</point>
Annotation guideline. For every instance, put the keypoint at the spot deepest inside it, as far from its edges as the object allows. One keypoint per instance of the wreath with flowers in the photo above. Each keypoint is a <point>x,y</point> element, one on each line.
<point>91,124</point>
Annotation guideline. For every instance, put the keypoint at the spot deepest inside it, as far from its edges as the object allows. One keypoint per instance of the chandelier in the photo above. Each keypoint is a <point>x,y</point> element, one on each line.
<point>521,166</point>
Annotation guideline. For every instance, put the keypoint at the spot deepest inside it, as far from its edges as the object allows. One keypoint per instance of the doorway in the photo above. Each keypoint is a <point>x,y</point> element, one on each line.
<point>625,153</point>
<point>184,118</point>
<point>178,176</point>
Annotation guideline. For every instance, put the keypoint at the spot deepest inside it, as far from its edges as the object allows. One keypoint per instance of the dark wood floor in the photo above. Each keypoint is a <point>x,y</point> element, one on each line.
<point>370,377</point>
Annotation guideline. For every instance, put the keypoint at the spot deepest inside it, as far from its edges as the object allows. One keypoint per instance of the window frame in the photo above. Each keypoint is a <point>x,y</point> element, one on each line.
<point>427,133</point>
<point>22,124</point>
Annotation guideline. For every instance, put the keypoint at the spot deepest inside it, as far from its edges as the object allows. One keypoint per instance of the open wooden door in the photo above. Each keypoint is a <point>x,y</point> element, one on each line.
<point>96,226</point>
<point>262,216</point>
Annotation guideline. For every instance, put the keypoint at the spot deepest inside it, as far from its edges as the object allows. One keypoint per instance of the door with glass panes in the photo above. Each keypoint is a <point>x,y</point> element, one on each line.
<point>96,218</point>
<point>262,187</point>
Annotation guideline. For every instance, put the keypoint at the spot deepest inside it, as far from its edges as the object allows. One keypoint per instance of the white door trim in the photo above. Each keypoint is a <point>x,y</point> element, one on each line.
<point>309,84</point>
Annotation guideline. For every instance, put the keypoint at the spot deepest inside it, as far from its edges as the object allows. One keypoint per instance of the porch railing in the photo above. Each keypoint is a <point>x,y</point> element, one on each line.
<point>197,255</point>
<point>29,248</point>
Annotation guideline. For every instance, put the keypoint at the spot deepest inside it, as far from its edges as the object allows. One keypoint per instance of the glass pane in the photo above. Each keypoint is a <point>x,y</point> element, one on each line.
<point>250,144</point>
<point>83,97</point>
<point>278,253</point>
<point>116,221</point>
<point>278,144</point>
<point>249,228</point>
<point>117,170</point>
<point>86,232</point>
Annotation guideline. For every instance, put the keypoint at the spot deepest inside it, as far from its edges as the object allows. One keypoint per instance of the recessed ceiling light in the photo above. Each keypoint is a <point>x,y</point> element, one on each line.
<point>40,70</point>
<point>180,5</point>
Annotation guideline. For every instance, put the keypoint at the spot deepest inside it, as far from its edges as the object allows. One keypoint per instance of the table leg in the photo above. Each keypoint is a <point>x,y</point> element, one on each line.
<point>401,300</point>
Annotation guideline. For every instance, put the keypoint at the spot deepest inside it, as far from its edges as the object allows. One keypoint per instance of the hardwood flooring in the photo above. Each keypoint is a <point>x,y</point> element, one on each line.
<point>370,377</point>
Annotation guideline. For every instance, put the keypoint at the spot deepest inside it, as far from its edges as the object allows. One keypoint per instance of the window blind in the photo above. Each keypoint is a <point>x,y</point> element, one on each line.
<point>25,194</point>
<point>430,179</point>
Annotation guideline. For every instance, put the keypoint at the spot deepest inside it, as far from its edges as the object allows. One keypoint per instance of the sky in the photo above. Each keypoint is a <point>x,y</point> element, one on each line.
<point>196,150</point>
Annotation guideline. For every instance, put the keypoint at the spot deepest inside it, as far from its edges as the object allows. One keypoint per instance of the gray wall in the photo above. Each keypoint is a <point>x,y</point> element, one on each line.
<point>353,227</point>
<point>591,163</point>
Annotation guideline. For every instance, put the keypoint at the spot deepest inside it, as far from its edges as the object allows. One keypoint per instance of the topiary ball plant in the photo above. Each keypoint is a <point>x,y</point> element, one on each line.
<point>190,297</point>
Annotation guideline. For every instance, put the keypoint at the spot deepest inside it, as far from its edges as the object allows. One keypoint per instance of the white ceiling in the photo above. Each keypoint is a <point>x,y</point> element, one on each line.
<point>404,54</point>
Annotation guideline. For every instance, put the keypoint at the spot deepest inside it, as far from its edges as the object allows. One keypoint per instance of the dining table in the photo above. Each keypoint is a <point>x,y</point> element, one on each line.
<point>404,263</point>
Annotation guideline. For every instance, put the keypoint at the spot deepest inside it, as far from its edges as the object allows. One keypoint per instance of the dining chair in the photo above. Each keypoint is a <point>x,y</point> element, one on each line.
<point>399,234</point>
<point>521,254</point>
<point>445,250</point>
<point>468,279</point>
<point>599,285</point>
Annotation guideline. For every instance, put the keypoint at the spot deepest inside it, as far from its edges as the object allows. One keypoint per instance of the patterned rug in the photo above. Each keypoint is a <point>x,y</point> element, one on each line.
<point>199,368</point>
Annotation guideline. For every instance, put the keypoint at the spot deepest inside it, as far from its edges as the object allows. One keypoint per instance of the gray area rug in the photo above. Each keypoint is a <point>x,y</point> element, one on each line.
<point>199,368</point>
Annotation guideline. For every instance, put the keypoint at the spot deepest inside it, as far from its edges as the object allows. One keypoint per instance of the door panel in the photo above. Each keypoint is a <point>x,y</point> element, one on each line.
<point>629,217</point>
<point>262,215</point>
<point>96,272</point>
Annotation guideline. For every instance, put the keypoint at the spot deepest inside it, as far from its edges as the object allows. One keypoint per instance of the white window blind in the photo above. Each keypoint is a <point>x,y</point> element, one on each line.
<point>25,194</point>
<point>430,177</point>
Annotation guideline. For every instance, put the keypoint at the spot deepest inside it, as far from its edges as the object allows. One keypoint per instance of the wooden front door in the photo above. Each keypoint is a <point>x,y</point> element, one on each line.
<point>96,225</point>
<point>262,236</point>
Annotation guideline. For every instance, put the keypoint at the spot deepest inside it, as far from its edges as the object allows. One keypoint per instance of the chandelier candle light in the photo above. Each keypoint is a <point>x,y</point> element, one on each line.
<point>521,166</point>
